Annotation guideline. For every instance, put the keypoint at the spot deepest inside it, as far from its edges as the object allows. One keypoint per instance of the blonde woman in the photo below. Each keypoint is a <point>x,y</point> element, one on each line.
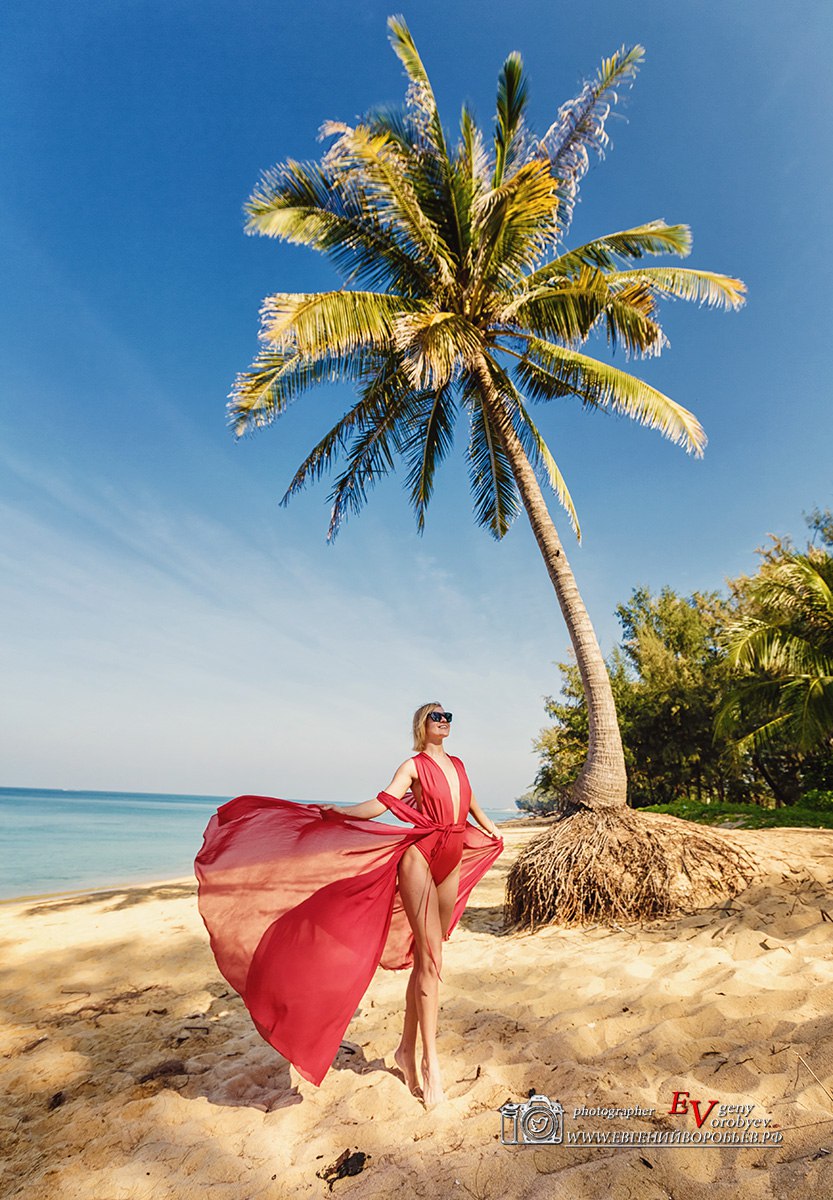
<point>304,901</point>
<point>429,877</point>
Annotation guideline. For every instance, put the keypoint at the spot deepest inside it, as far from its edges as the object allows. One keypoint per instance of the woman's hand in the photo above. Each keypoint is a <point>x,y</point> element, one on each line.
<point>490,828</point>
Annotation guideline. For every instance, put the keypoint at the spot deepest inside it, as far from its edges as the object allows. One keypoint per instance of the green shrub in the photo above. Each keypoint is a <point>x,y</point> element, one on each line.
<point>818,800</point>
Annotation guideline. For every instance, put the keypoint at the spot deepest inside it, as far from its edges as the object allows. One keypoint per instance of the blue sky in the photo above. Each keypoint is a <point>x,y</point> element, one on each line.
<point>166,626</point>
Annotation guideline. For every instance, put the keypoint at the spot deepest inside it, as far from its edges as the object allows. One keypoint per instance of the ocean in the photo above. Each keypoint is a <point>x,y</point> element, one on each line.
<point>70,841</point>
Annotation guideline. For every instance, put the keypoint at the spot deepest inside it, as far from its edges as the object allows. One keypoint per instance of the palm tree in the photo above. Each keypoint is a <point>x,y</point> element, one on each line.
<point>782,644</point>
<point>473,303</point>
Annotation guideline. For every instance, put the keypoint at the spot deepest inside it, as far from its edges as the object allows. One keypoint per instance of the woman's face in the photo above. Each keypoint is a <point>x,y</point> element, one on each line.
<point>437,731</point>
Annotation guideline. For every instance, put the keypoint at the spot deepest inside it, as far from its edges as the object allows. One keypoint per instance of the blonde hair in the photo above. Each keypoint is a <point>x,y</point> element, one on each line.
<point>420,717</point>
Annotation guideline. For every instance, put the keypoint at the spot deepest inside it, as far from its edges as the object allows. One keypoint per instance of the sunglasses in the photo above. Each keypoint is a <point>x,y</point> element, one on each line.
<point>439,716</point>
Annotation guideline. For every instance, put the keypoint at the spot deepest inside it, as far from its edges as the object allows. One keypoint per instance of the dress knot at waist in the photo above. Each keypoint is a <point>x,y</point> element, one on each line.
<point>444,832</point>
<point>411,815</point>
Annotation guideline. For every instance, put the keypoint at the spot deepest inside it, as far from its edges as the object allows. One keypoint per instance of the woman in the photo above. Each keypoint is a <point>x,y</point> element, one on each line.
<point>428,885</point>
<point>303,902</point>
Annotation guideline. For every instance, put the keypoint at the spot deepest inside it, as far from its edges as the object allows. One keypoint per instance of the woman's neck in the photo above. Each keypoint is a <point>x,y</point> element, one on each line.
<point>434,750</point>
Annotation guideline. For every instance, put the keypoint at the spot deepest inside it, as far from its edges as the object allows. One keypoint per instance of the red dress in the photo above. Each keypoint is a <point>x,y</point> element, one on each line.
<point>302,905</point>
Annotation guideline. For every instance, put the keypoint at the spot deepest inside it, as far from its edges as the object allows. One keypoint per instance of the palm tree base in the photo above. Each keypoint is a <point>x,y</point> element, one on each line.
<point>619,865</point>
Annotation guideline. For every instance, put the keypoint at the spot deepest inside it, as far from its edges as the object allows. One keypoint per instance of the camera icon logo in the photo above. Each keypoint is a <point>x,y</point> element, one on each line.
<point>538,1121</point>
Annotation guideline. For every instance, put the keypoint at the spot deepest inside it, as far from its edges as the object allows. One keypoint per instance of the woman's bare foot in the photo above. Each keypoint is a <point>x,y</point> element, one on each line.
<point>406,1061</point>
<point>432,1084</point>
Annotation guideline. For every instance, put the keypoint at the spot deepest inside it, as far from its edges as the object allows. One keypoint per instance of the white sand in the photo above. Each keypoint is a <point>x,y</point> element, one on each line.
<point>100,989</point>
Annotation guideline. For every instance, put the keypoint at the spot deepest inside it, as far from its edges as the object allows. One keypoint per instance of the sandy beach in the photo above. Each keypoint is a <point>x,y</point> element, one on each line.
<point>130,1071</point>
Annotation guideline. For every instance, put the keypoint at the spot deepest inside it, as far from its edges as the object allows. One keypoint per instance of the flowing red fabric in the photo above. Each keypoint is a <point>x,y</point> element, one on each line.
<point>302,905</point>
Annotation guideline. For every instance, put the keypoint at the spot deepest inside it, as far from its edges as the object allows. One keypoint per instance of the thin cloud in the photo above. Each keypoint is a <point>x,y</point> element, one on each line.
<point>239,659</point>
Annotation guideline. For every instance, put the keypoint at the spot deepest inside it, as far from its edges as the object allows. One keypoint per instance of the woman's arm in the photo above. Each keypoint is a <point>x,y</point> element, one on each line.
<point>403,778</point>
<point>482,820</point>
<point>364,811</point>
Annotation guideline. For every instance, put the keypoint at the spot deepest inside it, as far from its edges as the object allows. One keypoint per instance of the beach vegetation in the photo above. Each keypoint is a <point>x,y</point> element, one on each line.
<point>681,688</point>
<point>779,706</point>
<point>462,302</point>
<point>807,814</point>
<point>669,676</point>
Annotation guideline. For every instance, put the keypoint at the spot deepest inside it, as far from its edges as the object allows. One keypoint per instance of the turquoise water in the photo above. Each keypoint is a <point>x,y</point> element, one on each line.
<point>63,841</point>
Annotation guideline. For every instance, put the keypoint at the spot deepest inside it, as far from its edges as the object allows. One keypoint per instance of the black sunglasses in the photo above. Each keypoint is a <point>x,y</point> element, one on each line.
<point>439,716</point>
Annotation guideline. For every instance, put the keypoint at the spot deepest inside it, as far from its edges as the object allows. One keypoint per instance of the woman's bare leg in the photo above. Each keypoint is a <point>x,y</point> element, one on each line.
<point>405,1054</point>
<point>415,884</point>
<point>446,897</point>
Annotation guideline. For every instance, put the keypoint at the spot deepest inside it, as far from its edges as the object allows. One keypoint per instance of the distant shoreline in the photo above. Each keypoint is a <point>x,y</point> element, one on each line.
<point>99,890</point>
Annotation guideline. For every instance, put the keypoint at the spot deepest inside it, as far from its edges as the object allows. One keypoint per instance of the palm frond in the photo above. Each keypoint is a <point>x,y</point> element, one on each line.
<point>745,697</point>
<point>428,172</point>
<point>759,646</point>
<point>768,735</point>
<point>705,287</point>
<point>809,701</point>
<point>439,200</point>
<point>307,204</point>
<point>605,253</point>
<point>804,716</point>
<point>427,439</point>
<point>370,408</point>
<point>799,584</point>
<point>390,191</point>
<point>543,385</point>
<point>540,455</point>
<point>510,141</point>
<point>395,123</point>
<point>630,322</point>
<point>514,223</point>
<point>783,642</point>
<point>420,94</point>
<point>557,482</point>
<point>580,126</point>
<point>601,384</point>
<point>276,378</point>
<point>493,487</point>
<point>469,179</point>
<point>532,442</point>
<point>471,153</point>
<point>566,312</point>
<point>790,626</point>
<point>319,324</point>
<point>435,346</point>
<point>372,452</point>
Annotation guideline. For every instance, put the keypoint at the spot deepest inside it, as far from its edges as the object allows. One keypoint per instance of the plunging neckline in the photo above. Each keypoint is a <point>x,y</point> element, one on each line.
<point>456,816</point>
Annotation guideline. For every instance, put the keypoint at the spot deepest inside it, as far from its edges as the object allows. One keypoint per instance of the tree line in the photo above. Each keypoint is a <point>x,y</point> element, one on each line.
<point>720,698</point>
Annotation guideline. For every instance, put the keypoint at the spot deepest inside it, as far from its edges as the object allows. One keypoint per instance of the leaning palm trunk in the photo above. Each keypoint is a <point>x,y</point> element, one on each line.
<point>473,296</point>
<point>602,783</point>
<point>602,861</point>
